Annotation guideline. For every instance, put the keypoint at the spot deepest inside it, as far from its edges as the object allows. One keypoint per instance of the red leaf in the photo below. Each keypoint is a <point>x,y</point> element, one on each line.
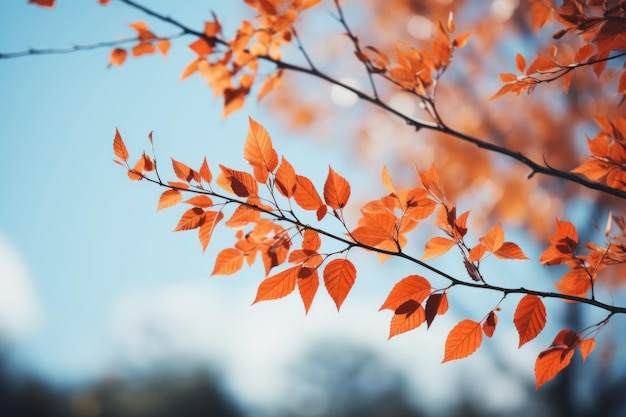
<point>43,3</point>
<point>205,172</point>
<point>339,277</point>
<point>529,318</point>
<point>435,305</point>
<point>493,239</point>
<point>489,326</point>
<point>286,179</point>
<point>463,340</point>
<point>586,347</point>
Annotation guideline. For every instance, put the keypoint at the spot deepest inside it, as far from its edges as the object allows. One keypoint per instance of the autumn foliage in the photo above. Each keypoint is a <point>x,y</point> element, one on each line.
<point>265,205</point>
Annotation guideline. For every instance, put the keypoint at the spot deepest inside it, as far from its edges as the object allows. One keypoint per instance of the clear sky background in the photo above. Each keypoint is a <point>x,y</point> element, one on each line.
<point>92,280</point>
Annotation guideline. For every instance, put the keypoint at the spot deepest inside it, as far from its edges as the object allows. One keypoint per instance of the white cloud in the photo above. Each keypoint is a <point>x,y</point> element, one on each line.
<point>256,347</point>
<point>19,310</point>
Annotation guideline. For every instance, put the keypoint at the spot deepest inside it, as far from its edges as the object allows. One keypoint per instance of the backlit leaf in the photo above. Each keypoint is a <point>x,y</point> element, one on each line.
<point>119,148</point>
<point>228,262</point>
<point>437,246</point>
<point>169,198</point>
<point>258,151</point>
<point>191,219</point>
<point>586,347</point>
<point>407,317</point>
<point>200,201</point>
<point>412,287</point>
<point>163,45</point>
<point>550,362</point>
<point>339,277</point>
<point>336,190</point>
<point>205,172</point>
<point>239,183</point>
<point>278,286</point>
<point>306,195</point>
<point>307,286</point>
<point>529,318</point>
<point>286,178</point>
<point>520,63</point>
<point>463,340</point>
<point>510,250</point>
<point>211,219</point>
<point>493,239</point>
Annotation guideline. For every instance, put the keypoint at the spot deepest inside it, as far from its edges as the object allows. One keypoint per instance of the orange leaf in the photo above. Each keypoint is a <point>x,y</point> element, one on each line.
<point>336,190</point>
<point>311,240</point>
<point>306,195</point>
<point>286,178</point>
<point>43,3</point>
<point>520,63</point>
<point>437,246</point>
<point>586,347</point>
<point>430,181</point>
<point>211,218</point>
<point>461,40</point>
<point>273,82</point>
<point>407,317</point>
<point>339,277</point>
<point>234,99</point>
<point>119,148</point>
<point>192,218</point>
<point>463,340</point>
<point>200,201</point>
<point>550,362</point>
<point>258,151</point>
<point>169,198</point>
<point>205,172</point>
<point>242,216</point>
<point>307,286</point>
<point>239,183</point>
<point>201,47</point>
<point>529,318</point>
<point>563,244</point>
<point>228,261</point>
<point>477,253</point>
<point>118,56</point>
<point>493,239</point>
<point>489,326</point>
<point>510,250</point>
<point>412,287</point>
<point>163,45</point>
<point>143,48</point>
<point>278,286</point>
<point>182,171</point>
<point>575,282</point>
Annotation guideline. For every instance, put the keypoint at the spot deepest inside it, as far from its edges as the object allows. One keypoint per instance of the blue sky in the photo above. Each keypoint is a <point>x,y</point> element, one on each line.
<point>98,283</point>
